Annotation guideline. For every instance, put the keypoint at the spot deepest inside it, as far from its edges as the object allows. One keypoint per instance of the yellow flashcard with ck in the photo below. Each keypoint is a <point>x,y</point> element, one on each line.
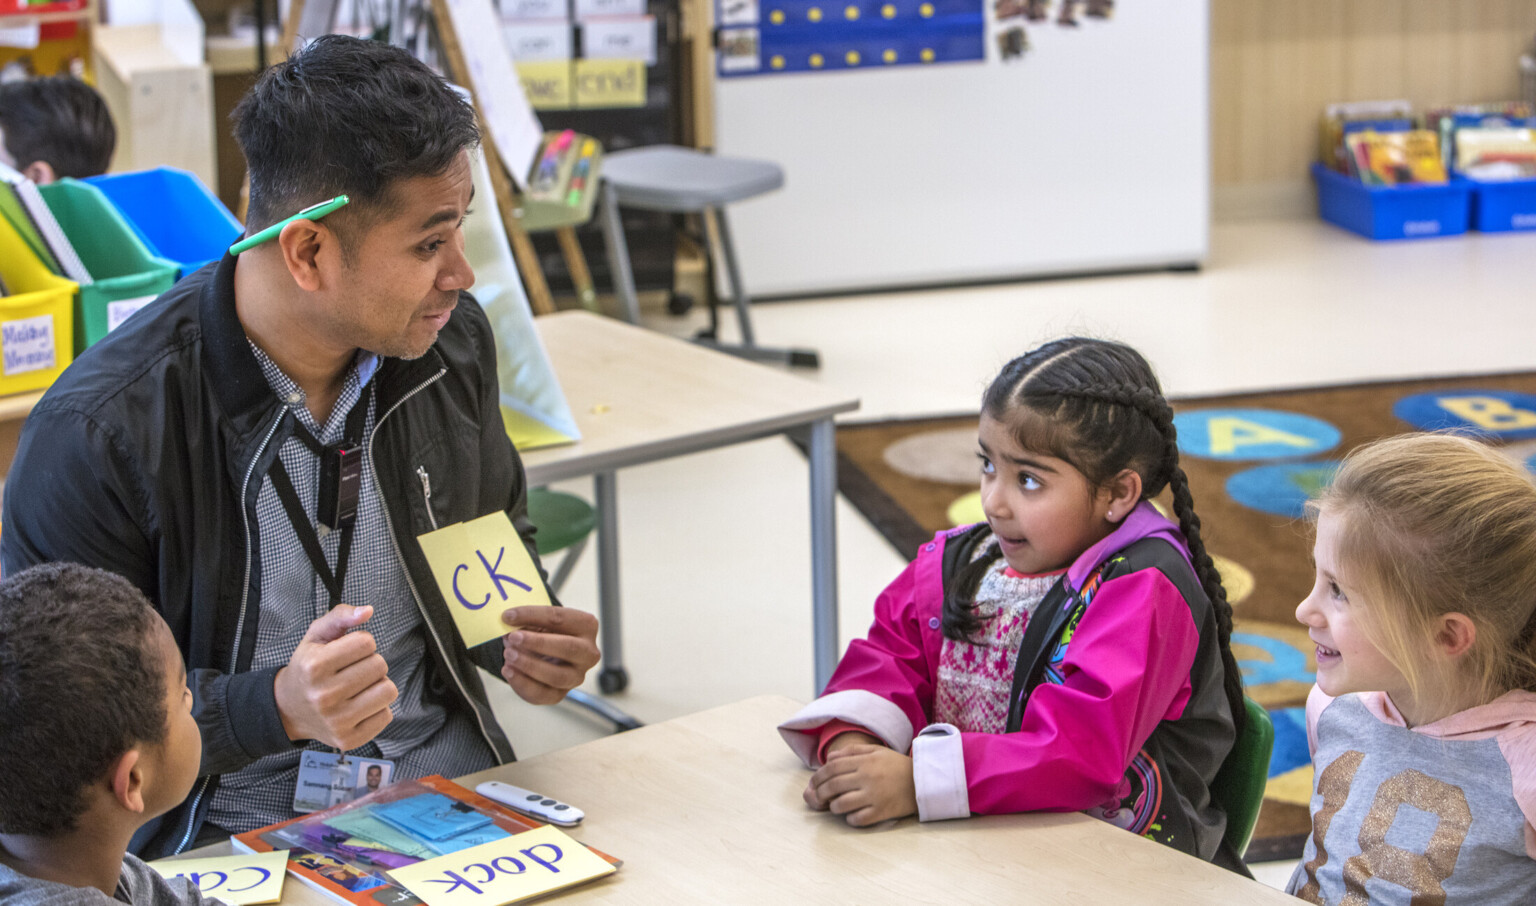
<point>237,880</point>
<point>482,568</point>
<point>504,871</point>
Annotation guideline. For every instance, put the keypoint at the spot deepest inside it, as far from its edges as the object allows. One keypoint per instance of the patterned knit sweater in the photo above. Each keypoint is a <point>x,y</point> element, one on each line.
<point>975,677</point>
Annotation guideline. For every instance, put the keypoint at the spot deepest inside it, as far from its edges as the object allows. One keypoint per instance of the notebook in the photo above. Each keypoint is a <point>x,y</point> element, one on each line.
<point>23,206</point>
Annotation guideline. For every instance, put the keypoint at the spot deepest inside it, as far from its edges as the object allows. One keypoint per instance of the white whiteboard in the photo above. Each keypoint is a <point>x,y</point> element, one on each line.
<point>1090,153</point>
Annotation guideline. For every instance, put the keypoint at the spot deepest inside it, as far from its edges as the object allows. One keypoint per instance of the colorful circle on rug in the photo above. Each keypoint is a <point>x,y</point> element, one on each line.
<point>943,456</point>
<point>1238,434</point>
<point>966,510</point>
<point>1235,578</point>
<point>1497,413</point>
<point>1282,489</point>
<point>1278,662</point>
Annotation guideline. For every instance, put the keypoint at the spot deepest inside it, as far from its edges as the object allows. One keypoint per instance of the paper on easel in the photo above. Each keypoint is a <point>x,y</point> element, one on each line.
<point>509,870</point>
<point>533,407</point>
<point>482,567</point>
<point>239,880</point>
<point>514,128</point>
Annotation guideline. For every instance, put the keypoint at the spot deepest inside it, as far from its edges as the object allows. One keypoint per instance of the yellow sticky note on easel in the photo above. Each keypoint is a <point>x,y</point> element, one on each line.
<point>238,880</point>
<point>482,568</point>
<point>504,871</point>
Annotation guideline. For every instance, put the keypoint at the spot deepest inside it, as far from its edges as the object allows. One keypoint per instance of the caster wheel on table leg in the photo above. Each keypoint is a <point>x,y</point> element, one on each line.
<point>613,680</point>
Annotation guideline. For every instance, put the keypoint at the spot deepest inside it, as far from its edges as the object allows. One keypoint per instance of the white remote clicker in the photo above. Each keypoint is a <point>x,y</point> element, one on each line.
<point>530,803</point>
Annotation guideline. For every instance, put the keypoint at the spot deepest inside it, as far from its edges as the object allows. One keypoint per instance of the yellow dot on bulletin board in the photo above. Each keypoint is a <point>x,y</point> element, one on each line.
<point>852,57</point>
<point>966,510</point>
<point>888,11</point>
<point>851,13</point>
<point>927,55</point>
<point>816,61</point>
<point>889,56</point>
<point>776,62</point>
<point>926,10</point>
<point>776,17</point>
<point>814,14</point>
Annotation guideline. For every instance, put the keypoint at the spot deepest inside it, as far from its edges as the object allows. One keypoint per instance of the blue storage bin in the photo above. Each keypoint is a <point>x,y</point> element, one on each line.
<point>1498,207</point>
<point>174,213</point>
<point>1397,212</point>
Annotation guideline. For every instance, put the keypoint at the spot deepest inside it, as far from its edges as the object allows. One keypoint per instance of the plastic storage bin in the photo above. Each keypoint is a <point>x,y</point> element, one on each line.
<point>125,276</point>
<point>1498,207</point>
<point>36,319</point>
<point>174,213</point>
<point>1399,212</point>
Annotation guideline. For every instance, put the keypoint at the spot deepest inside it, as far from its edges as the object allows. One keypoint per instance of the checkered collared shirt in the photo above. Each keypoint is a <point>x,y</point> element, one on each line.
<point>428,734</point>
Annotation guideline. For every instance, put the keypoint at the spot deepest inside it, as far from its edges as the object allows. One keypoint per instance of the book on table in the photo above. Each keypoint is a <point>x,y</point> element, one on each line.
<point>352,851</point>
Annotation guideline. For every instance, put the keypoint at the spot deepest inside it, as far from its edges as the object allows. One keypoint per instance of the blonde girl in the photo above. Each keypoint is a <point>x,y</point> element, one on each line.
<point>1423,723</point>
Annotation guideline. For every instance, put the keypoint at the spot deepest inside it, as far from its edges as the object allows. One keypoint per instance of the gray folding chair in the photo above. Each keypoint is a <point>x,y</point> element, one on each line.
<point>677,180</point>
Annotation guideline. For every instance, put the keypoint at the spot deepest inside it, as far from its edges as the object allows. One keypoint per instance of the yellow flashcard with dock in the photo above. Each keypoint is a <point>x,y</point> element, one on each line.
<point>482,568</point>
<point>239,880</point>
<point>515,868</point>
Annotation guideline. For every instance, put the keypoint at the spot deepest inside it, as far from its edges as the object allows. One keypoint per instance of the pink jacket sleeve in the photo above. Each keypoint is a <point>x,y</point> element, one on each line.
<point>1126,669</point>
<point>884,682</point>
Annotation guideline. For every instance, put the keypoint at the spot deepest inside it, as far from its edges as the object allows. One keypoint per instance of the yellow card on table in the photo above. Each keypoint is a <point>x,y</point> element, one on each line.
<point>237,880</point>
<point>503,871</point>
<point>482,568</point>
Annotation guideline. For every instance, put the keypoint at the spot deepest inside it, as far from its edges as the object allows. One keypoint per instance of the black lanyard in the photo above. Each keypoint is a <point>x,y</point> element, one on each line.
<point>308,537</point>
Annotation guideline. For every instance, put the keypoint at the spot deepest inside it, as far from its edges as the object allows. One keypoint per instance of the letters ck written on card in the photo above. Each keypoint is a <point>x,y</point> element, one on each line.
<point>482,568</point>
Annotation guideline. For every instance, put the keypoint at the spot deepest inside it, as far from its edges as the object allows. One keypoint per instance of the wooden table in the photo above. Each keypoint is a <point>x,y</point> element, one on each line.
<point>639,396</point>
<point>706,809</point>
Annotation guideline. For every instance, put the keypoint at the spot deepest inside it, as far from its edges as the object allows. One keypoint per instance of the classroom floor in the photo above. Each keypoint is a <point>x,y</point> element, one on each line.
<point>714,546</point>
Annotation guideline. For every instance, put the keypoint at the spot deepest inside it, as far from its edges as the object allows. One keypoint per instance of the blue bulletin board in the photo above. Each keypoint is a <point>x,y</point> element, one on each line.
<point>763,37</point>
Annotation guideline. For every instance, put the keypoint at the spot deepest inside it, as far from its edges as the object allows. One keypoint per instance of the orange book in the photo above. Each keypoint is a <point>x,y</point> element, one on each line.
<point>347,851</point>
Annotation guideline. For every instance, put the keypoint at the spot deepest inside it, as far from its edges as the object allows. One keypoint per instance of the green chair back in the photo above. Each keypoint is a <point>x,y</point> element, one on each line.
<point>561,519</point>
<point>1239,786</point>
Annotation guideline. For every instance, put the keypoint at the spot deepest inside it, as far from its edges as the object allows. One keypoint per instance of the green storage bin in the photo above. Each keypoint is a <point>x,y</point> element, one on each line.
<point>125,275</point>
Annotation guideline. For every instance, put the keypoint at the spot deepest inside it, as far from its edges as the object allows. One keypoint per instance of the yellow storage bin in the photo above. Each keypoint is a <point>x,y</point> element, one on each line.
<point>37,319</point>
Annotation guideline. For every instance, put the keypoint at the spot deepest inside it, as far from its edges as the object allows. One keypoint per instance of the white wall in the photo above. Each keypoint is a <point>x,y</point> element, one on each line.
<point>1090,153</point>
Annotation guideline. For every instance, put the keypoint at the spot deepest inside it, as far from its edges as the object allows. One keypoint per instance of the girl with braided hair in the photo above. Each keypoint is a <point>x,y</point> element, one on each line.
<point>1070,653</point>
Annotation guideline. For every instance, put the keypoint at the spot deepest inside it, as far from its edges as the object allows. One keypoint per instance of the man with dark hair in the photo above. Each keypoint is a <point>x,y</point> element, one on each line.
<point>204,452</point>
<point>54,127</point>
<point>98,738</point>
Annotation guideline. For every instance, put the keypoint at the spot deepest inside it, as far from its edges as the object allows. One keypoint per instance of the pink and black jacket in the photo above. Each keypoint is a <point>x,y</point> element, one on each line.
<point>1117,706</point>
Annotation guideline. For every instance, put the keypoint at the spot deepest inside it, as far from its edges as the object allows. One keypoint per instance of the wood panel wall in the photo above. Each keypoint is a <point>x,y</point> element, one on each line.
<point>1276,63</point>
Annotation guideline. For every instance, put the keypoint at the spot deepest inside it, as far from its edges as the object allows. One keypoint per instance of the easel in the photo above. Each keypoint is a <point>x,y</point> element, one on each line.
<point>508,199</point>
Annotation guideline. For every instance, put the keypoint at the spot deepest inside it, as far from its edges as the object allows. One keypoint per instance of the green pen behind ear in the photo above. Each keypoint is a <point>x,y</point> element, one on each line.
<point>313,212</point>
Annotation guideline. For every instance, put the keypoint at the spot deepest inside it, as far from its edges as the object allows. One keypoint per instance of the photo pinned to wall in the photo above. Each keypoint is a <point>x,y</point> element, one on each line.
<point>1013,19</point>
<point>739,12</point>
<point>740,51</point>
